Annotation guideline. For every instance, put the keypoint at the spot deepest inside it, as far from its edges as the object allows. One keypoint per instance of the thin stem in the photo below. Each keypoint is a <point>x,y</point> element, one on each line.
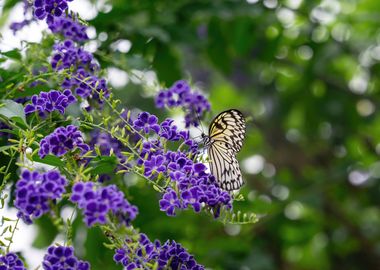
<point>110,105</point>
<point>6,171</point>
<point>133,151</point>
<point>15,88</point>
<point>11,238</point>
<point>69,227</point>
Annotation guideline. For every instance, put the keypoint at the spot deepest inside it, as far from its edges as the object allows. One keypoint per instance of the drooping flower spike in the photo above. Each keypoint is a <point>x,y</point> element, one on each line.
<point>35,192</point>
<point>61,257</point>
<point>180,95</point>
<point>61,141</point>
<point>11,261</point>
<point>47,102</point>
<point>98,202</point>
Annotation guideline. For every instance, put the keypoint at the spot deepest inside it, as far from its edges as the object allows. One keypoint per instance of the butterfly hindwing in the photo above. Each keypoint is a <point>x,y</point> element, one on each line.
<point>226,133</point>
<point>225,167</point>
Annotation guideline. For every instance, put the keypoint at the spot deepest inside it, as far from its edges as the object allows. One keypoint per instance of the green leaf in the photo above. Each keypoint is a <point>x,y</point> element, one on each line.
<point>50,160</point>
<point>9,4</point>
<point>13,110</point>
<point>14,132</point>
<point>5,147</point>
<point>103,164</point>
<point>164,57</point>
<point>46,232</point>
<point>13,54</point>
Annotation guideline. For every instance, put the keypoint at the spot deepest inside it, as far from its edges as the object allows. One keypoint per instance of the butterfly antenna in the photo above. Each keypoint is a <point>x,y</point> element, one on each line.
<point>199,121</point>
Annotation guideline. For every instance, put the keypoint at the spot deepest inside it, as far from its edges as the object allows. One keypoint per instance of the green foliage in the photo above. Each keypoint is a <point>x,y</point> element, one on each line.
<point>293,72</point>
<point>307,78</point>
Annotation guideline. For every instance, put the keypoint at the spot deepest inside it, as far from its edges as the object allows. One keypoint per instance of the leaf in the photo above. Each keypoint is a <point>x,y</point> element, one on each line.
<point>13,110</point>
<point>5,147</point>
<point>13,54</point>
<point>103,164</point>
<point>14,132</point>
<point>9,4</point>
<point>50,160</point>
<point>164,57</point>
<point>218,46</point>
<point>46,232</point>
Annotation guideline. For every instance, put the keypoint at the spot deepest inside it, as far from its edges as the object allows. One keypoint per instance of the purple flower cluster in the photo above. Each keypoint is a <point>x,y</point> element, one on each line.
<point>61,257</point>
<point>193,186</point>
<point>180,95</point>
<point>35,191</point>
<point>16,26</point>
<point>83,68</point>
<point>49,9</point>
<point>46,102</point>
<point>67,54</point>
<point>11,261</point>
<point>62,140</point>
<point>69,28</point>
<point>170,255</point>
<point>167,130</point>
<point>98,203</point>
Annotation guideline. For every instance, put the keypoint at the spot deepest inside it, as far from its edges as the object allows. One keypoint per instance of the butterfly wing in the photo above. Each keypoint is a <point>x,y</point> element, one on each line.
<point>226,133</point>
<point>228,127</point>
<point>225,167</point>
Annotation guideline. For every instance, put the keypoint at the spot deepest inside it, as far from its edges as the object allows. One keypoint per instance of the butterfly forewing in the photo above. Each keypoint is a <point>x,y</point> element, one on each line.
<point>228,127</point>
<point>226,133</point>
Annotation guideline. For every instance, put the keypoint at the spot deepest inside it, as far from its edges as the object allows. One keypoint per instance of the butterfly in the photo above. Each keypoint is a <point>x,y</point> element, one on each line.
<point>225,139</point>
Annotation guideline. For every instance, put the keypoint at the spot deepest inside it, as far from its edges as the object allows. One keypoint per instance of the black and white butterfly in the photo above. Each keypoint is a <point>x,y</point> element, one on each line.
<point>225,139</point>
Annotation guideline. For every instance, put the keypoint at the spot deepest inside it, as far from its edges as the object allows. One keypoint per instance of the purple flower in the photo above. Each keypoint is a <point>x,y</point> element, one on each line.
<point>180,95</point>
<point>149,148</point>
<point>62,257</point>
<point>11,261</point>
<point>121,256</point>
<point>175,256</point>
<point>191,197</point>
<point>67,54</point>
<point>146,122</point>
<point>99,203</point>
<point>169,202</point>
<point>138,254</point>
<point>81,65</point>
<point>169,131</point>
<point>35,191</point>
<point>70,28</point>
<point>46,102</point>
<point>62,140</point>
<point>155,164</point>
<point>49,9</point>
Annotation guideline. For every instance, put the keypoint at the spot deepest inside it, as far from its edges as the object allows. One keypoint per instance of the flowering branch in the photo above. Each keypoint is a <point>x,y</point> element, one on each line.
<point>114,141</point>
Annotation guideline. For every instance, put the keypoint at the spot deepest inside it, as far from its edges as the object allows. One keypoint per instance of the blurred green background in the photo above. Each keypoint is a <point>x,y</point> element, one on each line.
<point>305,73</point>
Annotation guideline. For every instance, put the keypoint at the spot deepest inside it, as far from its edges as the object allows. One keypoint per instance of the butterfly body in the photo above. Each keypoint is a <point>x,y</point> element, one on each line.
<point>225,139</point>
